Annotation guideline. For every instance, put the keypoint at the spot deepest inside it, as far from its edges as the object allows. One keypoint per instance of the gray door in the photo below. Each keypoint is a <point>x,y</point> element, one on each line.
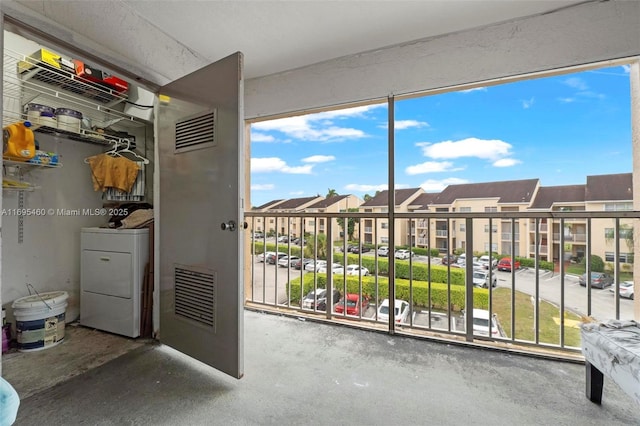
<point>200,146</point>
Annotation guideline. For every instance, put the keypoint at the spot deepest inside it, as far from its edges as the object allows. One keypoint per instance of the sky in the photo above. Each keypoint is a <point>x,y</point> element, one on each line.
<point>557,129</point>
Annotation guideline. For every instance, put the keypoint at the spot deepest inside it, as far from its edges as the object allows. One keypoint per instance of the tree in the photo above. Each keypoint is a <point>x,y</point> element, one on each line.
<point>367,197</point>
<point>351,224</point>
<point>597,264</point>
<point>331,193</point>
<point>626,232</point>
<point>310,248</point>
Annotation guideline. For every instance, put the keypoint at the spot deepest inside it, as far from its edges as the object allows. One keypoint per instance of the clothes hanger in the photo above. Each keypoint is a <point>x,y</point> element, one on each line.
<point>135,154</point>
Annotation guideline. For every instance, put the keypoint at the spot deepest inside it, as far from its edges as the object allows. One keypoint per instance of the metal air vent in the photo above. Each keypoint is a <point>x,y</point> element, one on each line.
<point>196,132</point>
<point>195,295</point>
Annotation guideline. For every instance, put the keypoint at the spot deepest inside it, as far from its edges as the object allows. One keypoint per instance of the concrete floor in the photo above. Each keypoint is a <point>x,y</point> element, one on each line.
<point>303,372</point>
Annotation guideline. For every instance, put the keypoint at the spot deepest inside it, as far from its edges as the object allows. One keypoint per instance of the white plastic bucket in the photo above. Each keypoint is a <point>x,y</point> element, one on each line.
<point>40,320</point>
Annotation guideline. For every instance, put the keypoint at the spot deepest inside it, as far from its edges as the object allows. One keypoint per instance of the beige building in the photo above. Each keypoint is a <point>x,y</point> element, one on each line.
<point>601,193</point>
<point>335,204</point>
<point>377,231</point>
<point>292,226</point>
<point>448,235</point>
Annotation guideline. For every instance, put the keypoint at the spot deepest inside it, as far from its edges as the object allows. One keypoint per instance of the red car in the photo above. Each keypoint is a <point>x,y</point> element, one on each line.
<point>505,264</point>
<point>355,306</point>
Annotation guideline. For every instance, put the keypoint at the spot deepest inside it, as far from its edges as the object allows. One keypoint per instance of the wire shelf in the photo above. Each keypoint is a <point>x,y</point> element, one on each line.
<point>28,80</point>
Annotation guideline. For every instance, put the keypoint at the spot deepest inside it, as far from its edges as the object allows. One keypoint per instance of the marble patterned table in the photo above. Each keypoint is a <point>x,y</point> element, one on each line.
<point>612,349</point>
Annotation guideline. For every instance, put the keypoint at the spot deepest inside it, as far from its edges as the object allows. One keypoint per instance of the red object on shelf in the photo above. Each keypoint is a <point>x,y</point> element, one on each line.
<point>108,81</point>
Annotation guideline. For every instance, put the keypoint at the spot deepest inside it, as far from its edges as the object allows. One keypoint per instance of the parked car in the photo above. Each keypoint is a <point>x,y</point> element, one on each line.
<point>283,239</point>
<point>357,270</point>
<point>273,258</point>
<point>258,235</point>
<point>360,249</point>
<point>314,265</point>
<point>300,263</point>
<point>401,311</point>
<point>335,269</point>
<point>383,251</point>
<point>263,256</point>
<point>355,305</point>
<point>626,289</point>
<point>403,254</point>
<point>598,279</point>
<point>481,279</point>
<point>449,259</point>
<point>505,264</point>
<point>484,260</point>
<point>462,259</point>
<point>318,299</point>
<point>285,261</point>
<point>481,323</point>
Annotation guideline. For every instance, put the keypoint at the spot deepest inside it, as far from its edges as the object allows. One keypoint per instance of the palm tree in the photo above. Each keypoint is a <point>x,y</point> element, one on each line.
<point>332,193</point>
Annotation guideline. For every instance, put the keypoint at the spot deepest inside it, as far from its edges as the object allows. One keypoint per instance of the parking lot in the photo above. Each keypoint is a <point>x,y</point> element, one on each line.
<point>550,286</point>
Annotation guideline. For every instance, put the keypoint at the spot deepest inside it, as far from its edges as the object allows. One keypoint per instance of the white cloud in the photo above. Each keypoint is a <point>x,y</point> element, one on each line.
<point>296,193</point>
<point>317,127</point>
<point>262,187</point>
<point>506,162</point>
<point>527,103</point>
<point>405,124</point>
<point>475,89</point>
<point>431,167</point>
<point>318,159</point>
<point>488,149</point>
<point>261,137</point>
<point>576,83</point>
<point>433,185</point>
<point>275,164</point>
<point>566,100</point>
<point>626,69</point>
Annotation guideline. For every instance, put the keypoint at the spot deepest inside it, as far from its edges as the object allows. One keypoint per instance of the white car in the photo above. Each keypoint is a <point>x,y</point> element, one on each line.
<point>403,254</point>
<point>263,256</point>
<point>285,262</point>
<point>383,251</point>
<point>336,269</point>
<point>314,265</point>
<point>484,261</point>
<point>481,323</point>
<point>357,270</point>
<point>481,278</point>
<point>401,308</point>
<point>626,289</point>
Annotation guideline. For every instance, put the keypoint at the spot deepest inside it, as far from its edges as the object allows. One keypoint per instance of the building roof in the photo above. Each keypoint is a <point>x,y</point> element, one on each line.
<point>510,191</point>
<point>422,201</point>
<point>547,195</point>
<point>381,198</point>
<point>294,203</point>
<point>327,202</point>
<point>268,205</point>
<point>609,187</point>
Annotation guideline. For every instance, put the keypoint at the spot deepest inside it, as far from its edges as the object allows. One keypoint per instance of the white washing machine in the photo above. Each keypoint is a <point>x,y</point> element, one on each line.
<point>111,276</point>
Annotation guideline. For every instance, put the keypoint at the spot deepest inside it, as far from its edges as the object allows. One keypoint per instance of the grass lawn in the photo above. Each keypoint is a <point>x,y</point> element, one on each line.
<point>524,320</point>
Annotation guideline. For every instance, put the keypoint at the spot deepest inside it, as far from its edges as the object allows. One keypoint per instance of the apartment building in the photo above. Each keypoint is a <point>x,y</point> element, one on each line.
<point>292,226</point>
<point>335,204</point>
<point>500,236</point>
<point>258,223</point>
<point>376,231</point>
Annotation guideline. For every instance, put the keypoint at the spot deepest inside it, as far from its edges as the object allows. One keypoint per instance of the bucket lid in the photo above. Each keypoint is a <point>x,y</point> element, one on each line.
<point>69,112</point>
<point>37,300</point>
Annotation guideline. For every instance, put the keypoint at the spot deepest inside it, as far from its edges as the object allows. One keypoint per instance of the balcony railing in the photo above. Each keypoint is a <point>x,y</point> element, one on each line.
<point>536,306</point>
<point>543,249</point>
<point>575,238</point>
<point>506,236</point>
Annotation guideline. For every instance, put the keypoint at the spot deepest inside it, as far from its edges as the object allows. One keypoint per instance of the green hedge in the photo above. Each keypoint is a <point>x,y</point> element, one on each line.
<point>420,290</point>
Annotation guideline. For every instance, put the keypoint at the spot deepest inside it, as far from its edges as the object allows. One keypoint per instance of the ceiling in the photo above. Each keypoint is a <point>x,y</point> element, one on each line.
<point>280,35</point>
